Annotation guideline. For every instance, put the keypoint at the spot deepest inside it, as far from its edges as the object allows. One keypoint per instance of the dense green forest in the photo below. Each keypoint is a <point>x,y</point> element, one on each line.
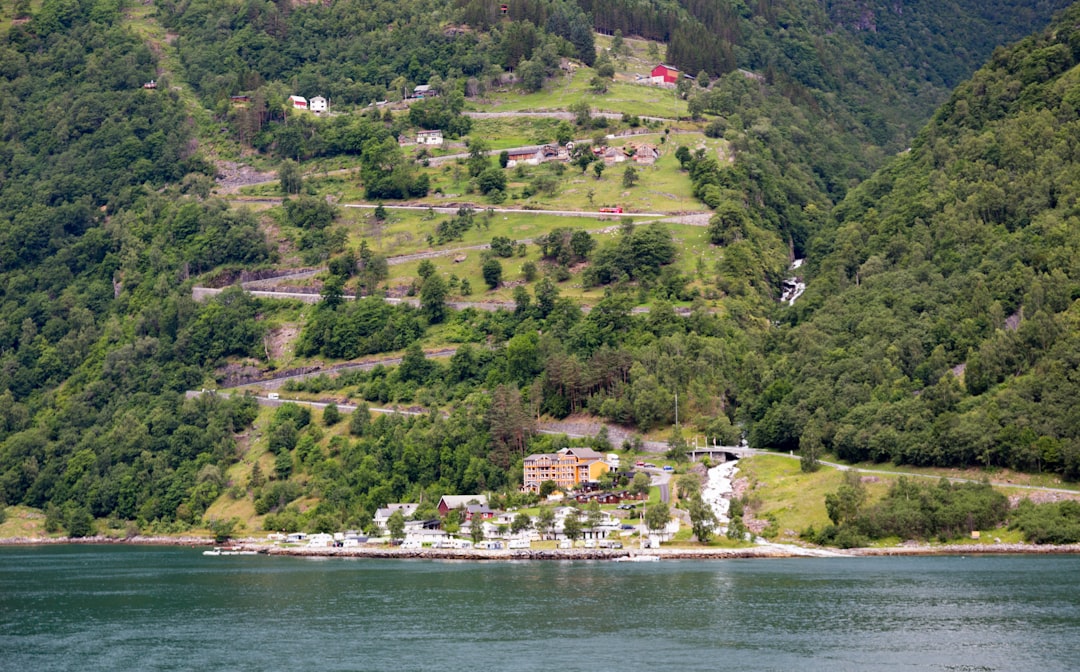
<point>939,327</point>
<point>102,219</point>
<point>941,324</point>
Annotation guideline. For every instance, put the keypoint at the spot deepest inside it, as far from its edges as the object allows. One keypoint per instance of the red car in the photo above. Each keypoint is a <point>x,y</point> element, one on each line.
<point>616,210</point>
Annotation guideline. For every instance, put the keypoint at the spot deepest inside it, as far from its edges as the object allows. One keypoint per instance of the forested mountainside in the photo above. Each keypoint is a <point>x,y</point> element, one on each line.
<point>876,69</point>
<point>941,326</point>
<point>101,219</point>
<point>882,65</point>
<point>108,216</point>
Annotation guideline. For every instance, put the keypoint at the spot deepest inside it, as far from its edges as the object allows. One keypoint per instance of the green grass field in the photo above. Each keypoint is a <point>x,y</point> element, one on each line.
<point>506,132</point>
<point>661,187</point>
<point>407,231</point>
<point>562,92</point>
<point>7,13</point>
<point>795,499</point>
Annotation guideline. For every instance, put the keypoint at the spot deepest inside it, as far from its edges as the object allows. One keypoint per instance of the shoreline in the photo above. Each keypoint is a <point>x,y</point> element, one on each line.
<point>771,551</point>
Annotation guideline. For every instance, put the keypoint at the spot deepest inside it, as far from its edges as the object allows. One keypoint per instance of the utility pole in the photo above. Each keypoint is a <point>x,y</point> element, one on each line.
<point>676,409</point>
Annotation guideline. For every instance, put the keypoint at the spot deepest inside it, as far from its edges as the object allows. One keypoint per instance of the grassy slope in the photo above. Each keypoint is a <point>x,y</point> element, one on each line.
<point>779,489</point>
<point>562,92</point>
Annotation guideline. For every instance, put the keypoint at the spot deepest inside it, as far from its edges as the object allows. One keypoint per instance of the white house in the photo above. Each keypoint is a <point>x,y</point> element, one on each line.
<point>298,102</point>
<point>429,137</point>
<point>607,524</point>
<point>424,90</point>
<point>317,105</point>
<point>382,515</point>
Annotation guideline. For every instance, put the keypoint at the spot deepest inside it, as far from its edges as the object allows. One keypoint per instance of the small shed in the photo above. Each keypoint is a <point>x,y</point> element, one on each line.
<point>298,102</point>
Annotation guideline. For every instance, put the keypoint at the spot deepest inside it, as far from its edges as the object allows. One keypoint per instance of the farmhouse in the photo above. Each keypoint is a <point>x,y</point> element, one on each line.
<point>317,105</point>
<point>664,74</point>
<point>529,157</point>
<point>450,502</point>
<point>534,157</point>
<point>645,154</point>
<point>610,155</point>
<point>429,137</point>
<point>383,515</point>
<point>298,102</point>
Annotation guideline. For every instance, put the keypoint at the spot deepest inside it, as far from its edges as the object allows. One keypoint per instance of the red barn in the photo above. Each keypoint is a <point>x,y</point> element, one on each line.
<point>665,74</point>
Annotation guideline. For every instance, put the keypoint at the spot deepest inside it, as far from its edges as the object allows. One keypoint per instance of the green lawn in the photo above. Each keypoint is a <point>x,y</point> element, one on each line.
<point>7,12</point>
<point>407,231</point>
<point>562,92</point>
<point>506,132</point>
<point>662,187</point>
<point>796,499</point>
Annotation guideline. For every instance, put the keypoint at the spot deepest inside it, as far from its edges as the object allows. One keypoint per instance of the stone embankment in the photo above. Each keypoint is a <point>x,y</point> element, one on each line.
<point>536,554</point>
<point>666,553</point>
<point>968,549</point>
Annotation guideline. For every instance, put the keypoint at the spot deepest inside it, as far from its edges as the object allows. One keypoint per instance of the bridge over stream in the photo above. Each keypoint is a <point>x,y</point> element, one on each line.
<point>718,454</point>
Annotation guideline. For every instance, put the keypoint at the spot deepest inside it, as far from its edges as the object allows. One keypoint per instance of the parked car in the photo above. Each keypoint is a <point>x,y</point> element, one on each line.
<point>668,467</point>
<point>650,465</point>
<point>639,463</point>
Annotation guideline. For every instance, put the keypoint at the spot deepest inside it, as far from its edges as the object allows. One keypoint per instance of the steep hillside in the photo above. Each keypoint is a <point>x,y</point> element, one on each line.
<point>941,324</point>
<point>108,215</point>
<point>102,217</point>
<point>881,66</point>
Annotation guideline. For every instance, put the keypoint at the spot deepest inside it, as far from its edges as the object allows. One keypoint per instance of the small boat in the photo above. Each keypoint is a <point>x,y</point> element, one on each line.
<point>229,551</point>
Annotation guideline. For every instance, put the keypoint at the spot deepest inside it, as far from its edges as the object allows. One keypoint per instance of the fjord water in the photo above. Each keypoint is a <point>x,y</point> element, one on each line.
<point>153,608</point>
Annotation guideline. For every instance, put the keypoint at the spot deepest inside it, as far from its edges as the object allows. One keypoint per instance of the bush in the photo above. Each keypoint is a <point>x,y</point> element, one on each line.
<point>502,246</point>
<point>1051,523</point>
<point>492,271</point>
<point>491,179</point>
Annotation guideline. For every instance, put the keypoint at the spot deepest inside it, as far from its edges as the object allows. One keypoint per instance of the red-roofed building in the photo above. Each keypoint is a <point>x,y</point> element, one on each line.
<point>665,74</point>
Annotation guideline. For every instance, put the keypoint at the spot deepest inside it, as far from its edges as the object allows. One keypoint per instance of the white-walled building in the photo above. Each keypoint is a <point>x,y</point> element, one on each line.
<point>429,137</point>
